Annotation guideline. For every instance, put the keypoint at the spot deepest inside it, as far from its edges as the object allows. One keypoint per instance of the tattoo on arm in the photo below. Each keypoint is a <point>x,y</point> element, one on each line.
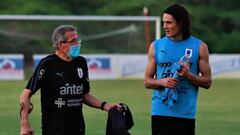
<point>24,106</point>
<point>30,108</point>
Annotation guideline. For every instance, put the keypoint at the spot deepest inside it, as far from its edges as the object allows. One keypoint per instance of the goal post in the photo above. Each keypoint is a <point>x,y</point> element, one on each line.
<point>109,40</point>
<point>100,34</point>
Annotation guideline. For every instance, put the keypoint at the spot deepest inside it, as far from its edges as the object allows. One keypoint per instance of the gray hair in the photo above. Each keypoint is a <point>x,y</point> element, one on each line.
<point>59,34</point>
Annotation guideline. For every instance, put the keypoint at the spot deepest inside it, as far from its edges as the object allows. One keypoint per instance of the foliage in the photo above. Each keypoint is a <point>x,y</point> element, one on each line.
<point>216,22</point>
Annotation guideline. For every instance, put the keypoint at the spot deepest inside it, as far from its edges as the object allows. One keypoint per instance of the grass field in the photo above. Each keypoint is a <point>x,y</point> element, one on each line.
<point>218,108</point>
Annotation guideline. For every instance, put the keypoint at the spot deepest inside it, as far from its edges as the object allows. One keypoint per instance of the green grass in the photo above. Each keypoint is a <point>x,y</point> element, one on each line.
<point>218,108</point>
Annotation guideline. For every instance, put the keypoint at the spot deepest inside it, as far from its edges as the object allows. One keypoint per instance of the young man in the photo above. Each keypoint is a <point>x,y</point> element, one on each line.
<point>174,98</point>
<point>63,80</point>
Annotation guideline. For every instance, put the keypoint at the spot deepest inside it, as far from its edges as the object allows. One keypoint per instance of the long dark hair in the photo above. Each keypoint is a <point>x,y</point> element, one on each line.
<point>181,15</point>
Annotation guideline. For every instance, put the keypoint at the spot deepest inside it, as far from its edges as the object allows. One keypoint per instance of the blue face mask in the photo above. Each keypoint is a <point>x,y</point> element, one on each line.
<point>74,51</point>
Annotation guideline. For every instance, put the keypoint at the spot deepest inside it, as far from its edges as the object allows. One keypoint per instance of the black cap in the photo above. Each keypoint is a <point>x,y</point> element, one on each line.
<point>127,116</point>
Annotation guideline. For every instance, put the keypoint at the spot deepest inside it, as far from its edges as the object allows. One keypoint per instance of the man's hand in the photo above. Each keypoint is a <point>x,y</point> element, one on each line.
<point>184,70</point>
<point>169,82</point>
<point>26,130</point>
<point>108,106</point>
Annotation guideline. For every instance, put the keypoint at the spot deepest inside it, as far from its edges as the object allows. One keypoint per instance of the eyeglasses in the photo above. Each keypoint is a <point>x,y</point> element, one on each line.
<point>72,42</point>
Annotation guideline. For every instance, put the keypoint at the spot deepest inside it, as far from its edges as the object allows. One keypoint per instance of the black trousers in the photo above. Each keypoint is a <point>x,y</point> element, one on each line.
<point>59,132</point>
<point>164,125</point>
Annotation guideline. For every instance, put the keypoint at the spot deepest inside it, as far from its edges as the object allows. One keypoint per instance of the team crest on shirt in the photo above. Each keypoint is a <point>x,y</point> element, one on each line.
<point>80,72</point>
<point>188,53</point>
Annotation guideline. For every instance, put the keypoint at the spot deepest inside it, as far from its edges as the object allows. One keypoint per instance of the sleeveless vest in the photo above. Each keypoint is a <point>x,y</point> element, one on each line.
<point>166,53</point>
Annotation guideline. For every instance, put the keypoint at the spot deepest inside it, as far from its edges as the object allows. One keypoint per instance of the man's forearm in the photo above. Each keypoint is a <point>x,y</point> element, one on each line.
<point>24,112</point>
<point>201,81</point>
<point>151,83</point>
<point>92,101</point>
<point>25,107</point>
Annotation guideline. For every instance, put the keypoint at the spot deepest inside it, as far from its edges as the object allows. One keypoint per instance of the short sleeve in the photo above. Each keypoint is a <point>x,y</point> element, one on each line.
<point>86,77</point>
<point>35,82</point>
